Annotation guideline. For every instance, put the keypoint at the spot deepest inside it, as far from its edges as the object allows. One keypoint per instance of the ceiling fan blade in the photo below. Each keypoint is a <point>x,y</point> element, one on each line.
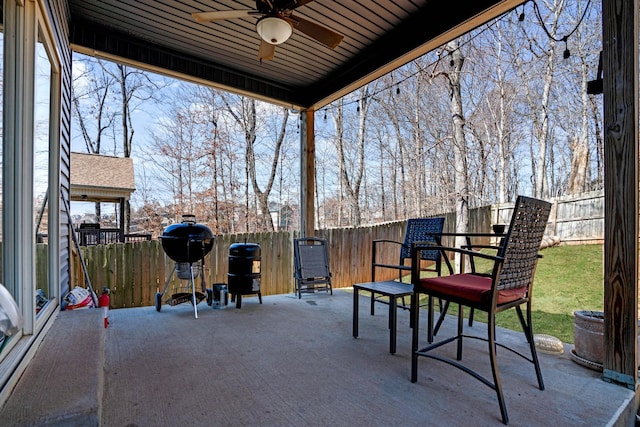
<point>293,4</point>
<point>266,51</point>
<point>221,14</point>
<point>316,31</point>
<point>302,2</point>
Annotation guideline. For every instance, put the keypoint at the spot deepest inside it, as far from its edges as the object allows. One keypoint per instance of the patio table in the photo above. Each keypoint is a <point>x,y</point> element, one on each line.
<point>391,289</point>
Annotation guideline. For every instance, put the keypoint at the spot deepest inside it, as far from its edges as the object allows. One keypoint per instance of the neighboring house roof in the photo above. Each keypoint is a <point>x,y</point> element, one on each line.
<point>97,178</point>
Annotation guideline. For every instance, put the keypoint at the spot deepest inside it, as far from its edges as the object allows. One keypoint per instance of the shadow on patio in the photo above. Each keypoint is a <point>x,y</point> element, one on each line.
<point>287,362</point>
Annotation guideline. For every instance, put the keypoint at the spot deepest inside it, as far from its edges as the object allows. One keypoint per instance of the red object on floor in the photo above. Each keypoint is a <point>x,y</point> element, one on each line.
<point>103,301</point>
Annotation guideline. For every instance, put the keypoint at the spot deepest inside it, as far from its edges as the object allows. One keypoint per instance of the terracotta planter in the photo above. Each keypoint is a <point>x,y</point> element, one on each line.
<point>588,336</point>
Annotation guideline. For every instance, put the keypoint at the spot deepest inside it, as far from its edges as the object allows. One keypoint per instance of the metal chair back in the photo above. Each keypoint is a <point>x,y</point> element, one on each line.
<point>421,230</point>
<point>312,272</point>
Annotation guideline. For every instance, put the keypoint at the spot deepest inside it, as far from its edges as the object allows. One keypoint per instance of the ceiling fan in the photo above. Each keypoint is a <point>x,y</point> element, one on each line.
<point>275,24</point>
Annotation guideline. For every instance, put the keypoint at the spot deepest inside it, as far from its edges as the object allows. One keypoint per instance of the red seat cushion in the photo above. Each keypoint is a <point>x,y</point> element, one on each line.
<point>469,287</point>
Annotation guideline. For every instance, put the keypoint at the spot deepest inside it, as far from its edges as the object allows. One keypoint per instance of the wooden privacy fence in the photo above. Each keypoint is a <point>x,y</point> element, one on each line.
<point>135,271</point>
<point>574,220</point>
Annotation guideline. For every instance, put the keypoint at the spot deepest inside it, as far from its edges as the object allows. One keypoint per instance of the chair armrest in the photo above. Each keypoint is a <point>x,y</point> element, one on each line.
<point>471,234</point>
<point>376,241</point>
<point>420,246</point>
<point>481,247</point>
<point>478,248</point>
<point>375,247</point>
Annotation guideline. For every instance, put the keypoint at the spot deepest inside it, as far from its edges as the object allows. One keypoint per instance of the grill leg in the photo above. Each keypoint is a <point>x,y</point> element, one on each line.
<point>166,283</point>
<point>193,293</point>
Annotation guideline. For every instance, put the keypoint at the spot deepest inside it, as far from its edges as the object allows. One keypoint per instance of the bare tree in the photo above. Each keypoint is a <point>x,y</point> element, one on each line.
<point>92,103</point>
<point>102,92</point>
<point>478,120</point>
<point>93,91</point>
<point>178,154</point>
<point>461,182</point>
<point>246,117</point>
<point>133,84</point>
<point>351,157</point>
<point>395,148</point>
<point>222,158</point>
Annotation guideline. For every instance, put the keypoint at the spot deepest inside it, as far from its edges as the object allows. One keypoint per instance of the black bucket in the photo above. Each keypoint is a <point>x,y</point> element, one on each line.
<point>244,269</point>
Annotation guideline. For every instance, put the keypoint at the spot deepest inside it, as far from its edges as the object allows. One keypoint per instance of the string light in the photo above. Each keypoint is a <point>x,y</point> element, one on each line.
<point>521,18</point>
<point>489,25</point>
<point>566,54</point>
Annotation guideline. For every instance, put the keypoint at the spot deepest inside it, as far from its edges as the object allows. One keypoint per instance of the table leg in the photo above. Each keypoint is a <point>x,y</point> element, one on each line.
<point>392,323</point>
<point>373,303</point>
<point>355,312</point>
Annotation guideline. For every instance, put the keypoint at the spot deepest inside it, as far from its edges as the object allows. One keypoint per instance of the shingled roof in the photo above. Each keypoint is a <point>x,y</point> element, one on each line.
<point>98,178</point>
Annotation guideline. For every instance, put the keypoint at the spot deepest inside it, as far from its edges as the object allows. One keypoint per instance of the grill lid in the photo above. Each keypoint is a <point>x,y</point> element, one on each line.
<point>187,241</point>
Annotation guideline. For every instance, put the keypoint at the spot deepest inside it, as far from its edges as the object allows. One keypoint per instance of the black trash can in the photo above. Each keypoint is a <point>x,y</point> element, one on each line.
<point>244,271</point>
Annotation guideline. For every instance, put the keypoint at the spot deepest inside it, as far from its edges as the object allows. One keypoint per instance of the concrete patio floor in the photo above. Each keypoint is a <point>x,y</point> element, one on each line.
<point>287,362</point>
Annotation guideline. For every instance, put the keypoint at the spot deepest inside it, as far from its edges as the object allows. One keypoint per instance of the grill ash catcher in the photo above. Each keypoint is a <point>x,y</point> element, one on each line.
<point>187,243</point>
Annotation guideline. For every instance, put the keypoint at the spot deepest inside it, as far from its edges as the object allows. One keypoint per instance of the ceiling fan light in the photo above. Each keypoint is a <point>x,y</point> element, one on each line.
<point>274,30</point>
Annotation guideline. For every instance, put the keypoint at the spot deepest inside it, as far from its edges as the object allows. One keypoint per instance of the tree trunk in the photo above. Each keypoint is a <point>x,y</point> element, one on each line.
<point>461,177</point>
<point>579,174</point>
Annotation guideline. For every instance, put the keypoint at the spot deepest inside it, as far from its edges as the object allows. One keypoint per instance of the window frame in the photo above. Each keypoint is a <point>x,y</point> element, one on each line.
<point>22,22</point>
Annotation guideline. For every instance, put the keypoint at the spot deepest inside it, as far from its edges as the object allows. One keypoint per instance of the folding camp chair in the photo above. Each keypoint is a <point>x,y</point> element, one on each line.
<point>311,259</point>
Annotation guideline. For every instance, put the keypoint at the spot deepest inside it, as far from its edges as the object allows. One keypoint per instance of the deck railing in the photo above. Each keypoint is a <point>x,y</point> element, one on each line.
<point>89,236</point>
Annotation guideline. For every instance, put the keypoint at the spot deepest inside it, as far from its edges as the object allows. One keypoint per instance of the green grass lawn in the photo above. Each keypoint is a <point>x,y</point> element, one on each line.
<point>568,278</point>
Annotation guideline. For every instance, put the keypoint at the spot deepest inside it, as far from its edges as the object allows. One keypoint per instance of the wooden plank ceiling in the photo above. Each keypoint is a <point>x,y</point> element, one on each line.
<point>379,36</point>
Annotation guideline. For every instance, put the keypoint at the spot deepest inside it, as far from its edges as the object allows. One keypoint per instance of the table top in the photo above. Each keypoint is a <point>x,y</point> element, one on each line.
<point>388,287</point>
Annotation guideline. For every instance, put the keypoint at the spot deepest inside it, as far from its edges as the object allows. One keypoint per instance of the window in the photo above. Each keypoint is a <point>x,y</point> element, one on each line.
<point>46,173</point>
<point>2,337</point>
<point>30,165</point>
<point>42,139</point>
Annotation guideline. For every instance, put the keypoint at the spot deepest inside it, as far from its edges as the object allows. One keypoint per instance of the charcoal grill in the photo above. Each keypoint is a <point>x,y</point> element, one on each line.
<point>186,243</point>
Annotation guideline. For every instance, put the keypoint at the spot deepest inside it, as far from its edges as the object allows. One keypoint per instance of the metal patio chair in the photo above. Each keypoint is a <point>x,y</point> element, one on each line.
<point>508,286</point>
<point>311,266</point>
<point>418,230</point>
